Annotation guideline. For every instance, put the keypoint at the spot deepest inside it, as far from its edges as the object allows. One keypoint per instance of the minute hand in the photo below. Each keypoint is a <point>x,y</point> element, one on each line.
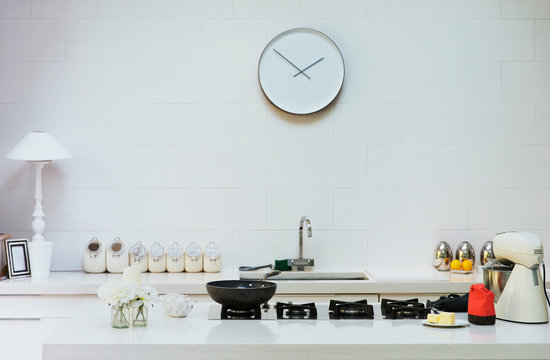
<point>302,71</point>
<point>288,61</point>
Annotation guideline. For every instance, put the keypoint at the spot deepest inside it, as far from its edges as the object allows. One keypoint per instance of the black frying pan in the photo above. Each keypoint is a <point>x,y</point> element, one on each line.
<point>242,293</point>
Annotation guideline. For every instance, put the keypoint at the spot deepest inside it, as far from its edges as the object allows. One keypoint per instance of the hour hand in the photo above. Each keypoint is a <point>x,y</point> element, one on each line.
<point>302,71</point>
<point>288,61</point>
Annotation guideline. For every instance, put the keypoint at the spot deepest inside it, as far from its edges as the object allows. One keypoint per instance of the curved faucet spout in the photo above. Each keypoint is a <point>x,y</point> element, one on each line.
<point>304,220</point>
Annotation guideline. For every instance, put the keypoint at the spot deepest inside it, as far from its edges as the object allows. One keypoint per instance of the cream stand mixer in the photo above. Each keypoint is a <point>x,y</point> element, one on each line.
<point>524,296</point>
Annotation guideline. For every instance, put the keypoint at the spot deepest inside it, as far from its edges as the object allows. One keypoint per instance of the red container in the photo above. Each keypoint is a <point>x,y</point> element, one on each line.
<point>481,305</point>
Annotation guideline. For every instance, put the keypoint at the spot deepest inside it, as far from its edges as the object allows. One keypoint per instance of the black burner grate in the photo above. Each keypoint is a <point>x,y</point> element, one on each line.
<point>240,313</point>
<point>296,311</point>
<point>403,309</point>
<point>350,310</point>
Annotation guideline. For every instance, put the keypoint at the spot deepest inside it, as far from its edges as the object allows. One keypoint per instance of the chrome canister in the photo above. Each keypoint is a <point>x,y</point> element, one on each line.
<point>443,255</point>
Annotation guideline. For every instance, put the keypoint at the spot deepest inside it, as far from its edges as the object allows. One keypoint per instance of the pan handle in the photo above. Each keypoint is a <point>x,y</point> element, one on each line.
<point>250,268</point>
<point>270,274</point>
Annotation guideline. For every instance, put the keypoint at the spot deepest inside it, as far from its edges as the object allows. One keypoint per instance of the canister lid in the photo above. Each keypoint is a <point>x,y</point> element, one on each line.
<point>117,246</point>
<point>157,251</point>
<point>175,251</point>
<point>138,251</point>
<point>193,250</point>
<point>212,251</point>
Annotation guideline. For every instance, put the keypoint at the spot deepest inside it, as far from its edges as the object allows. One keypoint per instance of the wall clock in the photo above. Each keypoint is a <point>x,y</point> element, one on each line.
<point>301,71</point>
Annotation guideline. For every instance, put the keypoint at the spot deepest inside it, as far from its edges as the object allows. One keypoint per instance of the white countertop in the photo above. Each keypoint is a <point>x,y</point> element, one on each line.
<point>383,280</point>
<point>90,336</point>
<point>81,283</point>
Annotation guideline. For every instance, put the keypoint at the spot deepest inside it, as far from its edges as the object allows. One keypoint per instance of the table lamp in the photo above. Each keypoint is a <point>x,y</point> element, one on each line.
<point>38,148</point>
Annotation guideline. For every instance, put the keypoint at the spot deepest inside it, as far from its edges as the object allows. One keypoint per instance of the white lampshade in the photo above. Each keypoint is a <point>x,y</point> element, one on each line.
<point>38,146</point>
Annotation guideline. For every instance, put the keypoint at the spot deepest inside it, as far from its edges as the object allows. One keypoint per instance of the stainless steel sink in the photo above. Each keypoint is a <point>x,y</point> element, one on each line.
<point>307,275</point>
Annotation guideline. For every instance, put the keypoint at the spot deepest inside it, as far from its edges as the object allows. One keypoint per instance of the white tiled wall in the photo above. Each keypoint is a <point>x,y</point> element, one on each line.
<point>441,131</point>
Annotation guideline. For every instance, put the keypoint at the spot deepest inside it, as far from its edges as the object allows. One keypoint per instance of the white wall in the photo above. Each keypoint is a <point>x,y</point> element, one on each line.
<point>441,131</point>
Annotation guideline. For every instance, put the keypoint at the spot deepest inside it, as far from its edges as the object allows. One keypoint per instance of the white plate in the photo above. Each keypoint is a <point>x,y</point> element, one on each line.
<point>458,323</point>
<point>462,271</point>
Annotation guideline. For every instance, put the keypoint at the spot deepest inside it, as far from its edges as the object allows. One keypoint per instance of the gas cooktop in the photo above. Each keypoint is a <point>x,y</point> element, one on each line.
<point>335,310</point>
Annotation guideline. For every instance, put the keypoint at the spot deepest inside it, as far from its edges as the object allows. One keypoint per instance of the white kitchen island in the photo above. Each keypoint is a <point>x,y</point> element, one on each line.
<point>34,309</point>
<point>89,336</point>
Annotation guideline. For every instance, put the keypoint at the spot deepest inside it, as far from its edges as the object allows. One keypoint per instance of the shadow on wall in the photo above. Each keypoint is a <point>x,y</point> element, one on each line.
<point>300,120</point>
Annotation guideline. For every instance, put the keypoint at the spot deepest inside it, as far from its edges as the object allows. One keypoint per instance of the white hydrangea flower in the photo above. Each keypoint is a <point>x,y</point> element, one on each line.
<point>146,294</point>
<point>116,294</point>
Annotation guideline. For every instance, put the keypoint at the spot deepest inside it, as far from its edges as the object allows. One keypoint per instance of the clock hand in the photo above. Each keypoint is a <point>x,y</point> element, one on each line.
<point>297,68</point>
<point>302,71</point>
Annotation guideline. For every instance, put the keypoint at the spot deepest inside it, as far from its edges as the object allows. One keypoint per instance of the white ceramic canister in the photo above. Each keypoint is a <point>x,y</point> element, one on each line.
<point>138,256</point>
<point>156,258</point>
<point>174,258</point>
<point>193,258</point>
<point>93,260</point>
<point>117,256</point>
<point>212,258</point>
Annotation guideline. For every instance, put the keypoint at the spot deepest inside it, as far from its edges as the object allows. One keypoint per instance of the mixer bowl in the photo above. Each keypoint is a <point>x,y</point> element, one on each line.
<point>495,278</point>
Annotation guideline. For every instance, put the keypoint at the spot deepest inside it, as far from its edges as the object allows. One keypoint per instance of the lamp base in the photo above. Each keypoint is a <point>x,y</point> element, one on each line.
<point>40,256</point>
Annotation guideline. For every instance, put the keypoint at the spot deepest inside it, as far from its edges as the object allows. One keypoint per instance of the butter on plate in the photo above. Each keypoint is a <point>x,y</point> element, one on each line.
<point>447,318</point>
<point>443,318</point>
<point>433,318</point>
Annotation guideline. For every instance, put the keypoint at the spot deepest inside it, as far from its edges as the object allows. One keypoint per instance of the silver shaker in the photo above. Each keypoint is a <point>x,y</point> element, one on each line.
<point>464,251</point>
<point>486,253</point>
<point>443,255</point>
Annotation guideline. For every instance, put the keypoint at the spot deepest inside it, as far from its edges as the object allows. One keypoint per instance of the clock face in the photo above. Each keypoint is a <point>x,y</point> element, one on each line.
<point>301,71</point>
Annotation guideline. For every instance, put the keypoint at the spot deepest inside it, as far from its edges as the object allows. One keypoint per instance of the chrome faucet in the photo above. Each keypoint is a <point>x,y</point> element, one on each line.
<point>303,220</point>
<point>300,263</point>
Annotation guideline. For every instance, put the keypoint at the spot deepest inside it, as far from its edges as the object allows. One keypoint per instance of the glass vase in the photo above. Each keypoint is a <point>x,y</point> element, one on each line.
<point>120,316</point>
<point>140,315</point>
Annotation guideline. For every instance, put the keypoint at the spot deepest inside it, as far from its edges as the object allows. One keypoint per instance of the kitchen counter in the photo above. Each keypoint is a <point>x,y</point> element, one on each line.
<point>382,280</point>
<point>89,335</point>
<point>35,308</point>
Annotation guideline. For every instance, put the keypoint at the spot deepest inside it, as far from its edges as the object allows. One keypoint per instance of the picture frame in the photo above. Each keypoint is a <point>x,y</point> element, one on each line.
<point>17,254</point>
<point>3,257</point>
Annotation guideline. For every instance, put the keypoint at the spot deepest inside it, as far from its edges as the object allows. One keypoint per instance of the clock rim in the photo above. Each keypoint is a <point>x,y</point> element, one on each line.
<point>343,70</point>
